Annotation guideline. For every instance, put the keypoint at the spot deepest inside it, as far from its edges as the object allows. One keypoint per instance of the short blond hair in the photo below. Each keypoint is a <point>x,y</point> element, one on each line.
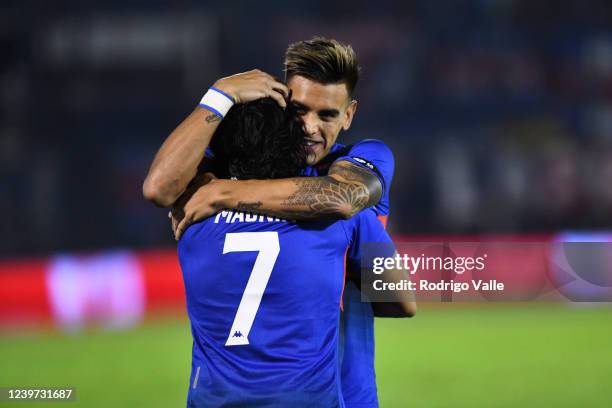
<point>323,60</point>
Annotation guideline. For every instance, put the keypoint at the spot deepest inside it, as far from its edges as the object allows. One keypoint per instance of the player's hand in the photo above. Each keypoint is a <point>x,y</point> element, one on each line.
<point>177,213</point>
<point>197,203</point>
<point>251,85</point>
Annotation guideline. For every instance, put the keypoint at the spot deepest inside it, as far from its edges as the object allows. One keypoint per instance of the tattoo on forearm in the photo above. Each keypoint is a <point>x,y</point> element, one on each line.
<point>212,118</point>
<point>326,196</point>
<point>351,173</point>
<point>248,206</point>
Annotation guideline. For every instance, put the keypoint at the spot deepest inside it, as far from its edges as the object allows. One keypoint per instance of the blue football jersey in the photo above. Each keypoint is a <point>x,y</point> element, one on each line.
<point>263,297</point>
<point>370,154</point>
<point>358,375</point>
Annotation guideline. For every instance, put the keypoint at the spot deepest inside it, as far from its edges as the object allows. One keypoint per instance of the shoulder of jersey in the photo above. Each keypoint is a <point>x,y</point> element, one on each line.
<point>373,144</point>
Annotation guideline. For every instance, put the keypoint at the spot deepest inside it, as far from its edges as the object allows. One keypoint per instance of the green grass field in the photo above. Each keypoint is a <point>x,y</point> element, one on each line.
<point>456,355</point>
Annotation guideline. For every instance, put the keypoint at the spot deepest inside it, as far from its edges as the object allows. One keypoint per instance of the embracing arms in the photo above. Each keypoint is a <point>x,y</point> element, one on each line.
<point>346,190</point>
<point>177,161</point>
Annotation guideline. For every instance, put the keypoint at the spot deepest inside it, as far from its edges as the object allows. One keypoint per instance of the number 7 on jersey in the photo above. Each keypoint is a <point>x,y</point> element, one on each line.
<point>268,248</point>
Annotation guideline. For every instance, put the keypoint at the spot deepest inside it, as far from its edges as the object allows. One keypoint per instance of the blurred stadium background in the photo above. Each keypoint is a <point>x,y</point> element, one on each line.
<point>499,113</point>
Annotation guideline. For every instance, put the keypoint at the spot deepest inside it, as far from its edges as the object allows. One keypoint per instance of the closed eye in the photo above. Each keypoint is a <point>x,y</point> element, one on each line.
<point>328,114</point>
<point>299,108</point>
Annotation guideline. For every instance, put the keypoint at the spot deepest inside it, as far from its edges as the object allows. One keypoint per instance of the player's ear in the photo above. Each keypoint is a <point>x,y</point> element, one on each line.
<point>349,114</point>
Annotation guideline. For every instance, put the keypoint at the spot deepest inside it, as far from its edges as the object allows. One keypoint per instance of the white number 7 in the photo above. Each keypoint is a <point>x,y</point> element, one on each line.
<point>266,243</point>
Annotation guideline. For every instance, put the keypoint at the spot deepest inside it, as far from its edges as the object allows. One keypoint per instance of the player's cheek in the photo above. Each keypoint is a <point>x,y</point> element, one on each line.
<point>332,130</point>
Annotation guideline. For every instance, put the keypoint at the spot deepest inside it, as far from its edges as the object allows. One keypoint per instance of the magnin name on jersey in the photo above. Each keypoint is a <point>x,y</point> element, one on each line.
<point>231,217</point>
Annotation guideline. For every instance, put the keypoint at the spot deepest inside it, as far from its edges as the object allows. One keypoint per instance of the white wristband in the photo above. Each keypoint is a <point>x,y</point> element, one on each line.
<point>217,101</point>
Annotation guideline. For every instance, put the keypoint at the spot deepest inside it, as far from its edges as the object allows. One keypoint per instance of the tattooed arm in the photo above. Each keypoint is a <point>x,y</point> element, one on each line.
<point>346,190</point>
<point>177,161</point>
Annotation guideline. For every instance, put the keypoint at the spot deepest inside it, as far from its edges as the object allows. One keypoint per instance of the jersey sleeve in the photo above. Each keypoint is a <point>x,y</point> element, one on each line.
<point>374,156</point>
<point>369,238</point>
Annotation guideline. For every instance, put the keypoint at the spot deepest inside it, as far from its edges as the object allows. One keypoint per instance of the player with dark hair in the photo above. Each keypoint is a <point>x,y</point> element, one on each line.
<point>342,180</point>
<point>263,294</point>
<point>259,141</point>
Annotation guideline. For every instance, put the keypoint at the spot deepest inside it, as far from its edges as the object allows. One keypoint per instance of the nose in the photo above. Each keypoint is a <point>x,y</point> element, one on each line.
<point>310,125</point>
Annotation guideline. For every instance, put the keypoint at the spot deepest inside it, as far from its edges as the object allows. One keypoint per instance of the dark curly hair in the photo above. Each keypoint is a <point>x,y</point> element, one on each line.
<point>259,140</point>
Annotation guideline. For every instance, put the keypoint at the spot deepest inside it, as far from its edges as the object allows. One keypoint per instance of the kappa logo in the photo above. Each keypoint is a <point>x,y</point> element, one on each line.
<point>364,162</point>
<point>237,334</point>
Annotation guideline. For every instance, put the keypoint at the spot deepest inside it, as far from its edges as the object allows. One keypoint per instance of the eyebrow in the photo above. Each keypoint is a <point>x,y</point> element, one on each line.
<point>329,112</point>
<point>322,112</point>
<point>299,105</point>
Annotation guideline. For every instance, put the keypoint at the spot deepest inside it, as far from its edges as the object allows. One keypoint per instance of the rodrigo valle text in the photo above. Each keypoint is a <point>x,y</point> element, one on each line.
<point>425,285</point>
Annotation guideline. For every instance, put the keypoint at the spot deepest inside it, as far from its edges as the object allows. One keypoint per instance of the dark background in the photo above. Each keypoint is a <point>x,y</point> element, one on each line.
<point>499,113</point>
